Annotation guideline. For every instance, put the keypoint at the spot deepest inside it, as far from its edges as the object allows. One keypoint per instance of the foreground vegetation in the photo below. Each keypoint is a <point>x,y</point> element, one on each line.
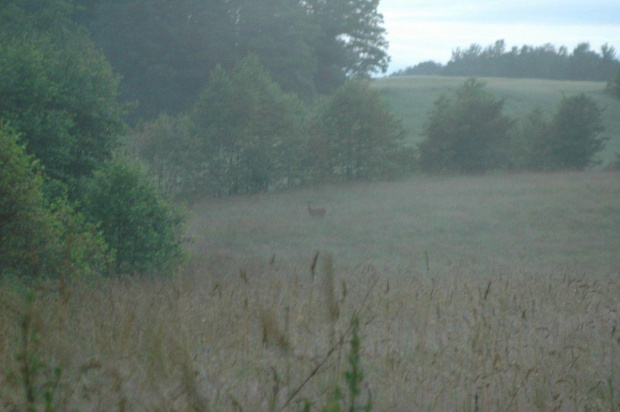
<point>472,293</point>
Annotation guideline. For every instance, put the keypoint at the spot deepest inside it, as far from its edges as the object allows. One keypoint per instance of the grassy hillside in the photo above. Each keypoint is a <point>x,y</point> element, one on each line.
<point>488,293</point>
<point>411,97</point>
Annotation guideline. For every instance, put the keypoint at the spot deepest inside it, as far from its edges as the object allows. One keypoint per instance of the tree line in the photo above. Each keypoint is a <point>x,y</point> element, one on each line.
<point>73,199</point>
<point>542,62</point>
<point>165,51</point>
<point>81,192</point>
<point>468,132</point>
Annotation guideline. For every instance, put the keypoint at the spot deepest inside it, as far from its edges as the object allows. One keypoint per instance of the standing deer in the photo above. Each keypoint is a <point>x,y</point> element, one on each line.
<point>316,212</point>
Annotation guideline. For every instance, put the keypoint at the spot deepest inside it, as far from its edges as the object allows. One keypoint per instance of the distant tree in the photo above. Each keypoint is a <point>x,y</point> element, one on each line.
<point>466,132</point>
<point>575,138</point>
<point>531,150</point>
<point>164,50</point>
<point>613,86</point>
<point>425,68</point>
<point>544,62</point>
<point>356,136</point>
<point>280,33</point>
<point>247,127</point>
<point>584,63</point>
<point>349,43</point>
<point>171,153</point>
<point>609,64</point>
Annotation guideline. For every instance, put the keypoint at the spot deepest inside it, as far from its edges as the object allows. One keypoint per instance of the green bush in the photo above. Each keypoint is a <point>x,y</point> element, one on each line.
<point>38,238</point>
<point>142,229</point>
<point>467,132</point>
<point>62,101</point>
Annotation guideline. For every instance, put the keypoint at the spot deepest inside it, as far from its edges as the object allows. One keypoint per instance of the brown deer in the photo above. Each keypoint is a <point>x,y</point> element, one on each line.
<point>316,212</point>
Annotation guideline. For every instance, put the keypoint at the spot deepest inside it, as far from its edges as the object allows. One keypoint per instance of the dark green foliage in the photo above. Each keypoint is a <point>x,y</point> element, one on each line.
<point>38,238</point>
<point>532,151</point>
<point>613,86</point>
<point>575,139</point>
<point>142,229</point>
<point>57,89</point>
<point>281,34</point>
<point>466,132</point>
<point>542,62</point>
<point>350,41</point>
<point>249,130</point>
<point>166,50</point>
<point>568,141</point>
<point>355,136</point>
<point>59,94</point>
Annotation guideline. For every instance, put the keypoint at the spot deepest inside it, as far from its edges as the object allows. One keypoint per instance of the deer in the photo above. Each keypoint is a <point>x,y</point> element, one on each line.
<point>316,212</point>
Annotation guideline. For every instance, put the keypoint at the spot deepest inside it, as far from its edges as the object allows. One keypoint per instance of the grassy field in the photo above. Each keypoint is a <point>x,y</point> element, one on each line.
<point>411,97</point>
<point>473,293</point>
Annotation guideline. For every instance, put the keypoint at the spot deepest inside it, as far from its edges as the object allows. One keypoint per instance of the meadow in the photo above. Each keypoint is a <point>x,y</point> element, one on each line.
<point>411,97</point>
<point>494,292</point>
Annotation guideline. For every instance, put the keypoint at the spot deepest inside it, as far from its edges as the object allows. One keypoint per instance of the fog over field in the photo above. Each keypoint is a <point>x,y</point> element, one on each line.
<point>309,205</point>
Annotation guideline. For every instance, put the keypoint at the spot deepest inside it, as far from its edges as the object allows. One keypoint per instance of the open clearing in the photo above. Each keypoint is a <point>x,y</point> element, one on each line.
<point>474,293</point>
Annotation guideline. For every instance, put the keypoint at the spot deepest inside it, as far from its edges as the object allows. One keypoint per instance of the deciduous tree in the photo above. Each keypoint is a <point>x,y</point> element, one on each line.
<point>467,132</point>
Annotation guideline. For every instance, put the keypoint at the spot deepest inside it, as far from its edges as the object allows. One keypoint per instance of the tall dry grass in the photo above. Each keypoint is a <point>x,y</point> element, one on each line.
<point>246,329</point>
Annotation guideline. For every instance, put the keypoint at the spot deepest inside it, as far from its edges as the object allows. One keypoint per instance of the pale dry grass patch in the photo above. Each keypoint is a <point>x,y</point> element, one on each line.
<point>515,341</point>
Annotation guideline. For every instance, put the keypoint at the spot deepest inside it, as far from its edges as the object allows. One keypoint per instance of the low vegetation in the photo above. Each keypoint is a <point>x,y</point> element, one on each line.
<point>471,294</point>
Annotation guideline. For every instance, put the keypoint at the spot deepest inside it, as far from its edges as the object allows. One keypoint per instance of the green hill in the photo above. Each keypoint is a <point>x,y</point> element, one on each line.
<point>411,98</point>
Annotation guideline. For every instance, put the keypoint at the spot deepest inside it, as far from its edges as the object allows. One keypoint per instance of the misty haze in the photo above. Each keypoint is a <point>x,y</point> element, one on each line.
<point>287,205</point>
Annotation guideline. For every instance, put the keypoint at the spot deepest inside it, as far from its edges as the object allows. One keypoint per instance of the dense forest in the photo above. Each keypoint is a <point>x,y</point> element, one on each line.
<point>165,50</point>
<point>542,62</point>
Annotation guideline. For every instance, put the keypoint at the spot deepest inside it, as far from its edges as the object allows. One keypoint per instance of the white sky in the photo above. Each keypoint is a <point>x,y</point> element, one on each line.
<point>420,30</point>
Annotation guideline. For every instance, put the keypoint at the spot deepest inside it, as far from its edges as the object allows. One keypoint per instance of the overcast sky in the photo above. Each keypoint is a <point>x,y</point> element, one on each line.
<point>420,30</point>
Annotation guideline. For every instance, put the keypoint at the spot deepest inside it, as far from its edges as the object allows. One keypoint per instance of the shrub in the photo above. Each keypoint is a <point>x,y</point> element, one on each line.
<point>466,132</point>
<point>60,95</point>
<point>141,228</point>
<point>37,237</point>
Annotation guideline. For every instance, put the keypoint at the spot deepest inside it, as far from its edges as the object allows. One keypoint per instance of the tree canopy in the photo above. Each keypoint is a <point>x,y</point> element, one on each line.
<point>57,90</point>
<point>165,50</point>
<point>467,132</point>
<point>61,127</point>
<point>542,62</point>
